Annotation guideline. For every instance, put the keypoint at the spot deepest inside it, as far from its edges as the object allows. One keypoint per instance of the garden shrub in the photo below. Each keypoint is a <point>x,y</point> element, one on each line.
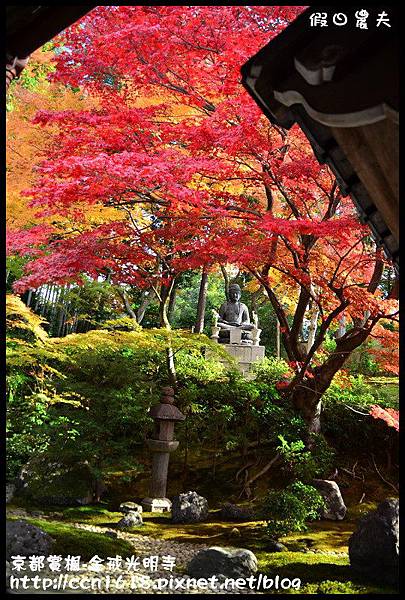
<point>301,463</point>
<point>287,510</point>
<point>30,388</point>
<point>270,370</point>
<point>349,389</point>
<point>22,324</point>
<point>361,360</point>
<point>121,324</point>
<point>346,421</point>
<point>96,389</point>
<point>87,396</point>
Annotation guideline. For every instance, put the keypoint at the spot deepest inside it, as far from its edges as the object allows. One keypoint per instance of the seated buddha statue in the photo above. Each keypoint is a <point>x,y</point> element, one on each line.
<point>234,314</point>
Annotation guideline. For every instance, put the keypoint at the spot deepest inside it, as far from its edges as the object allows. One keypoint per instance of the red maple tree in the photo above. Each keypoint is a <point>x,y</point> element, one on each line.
<point>201,178</point>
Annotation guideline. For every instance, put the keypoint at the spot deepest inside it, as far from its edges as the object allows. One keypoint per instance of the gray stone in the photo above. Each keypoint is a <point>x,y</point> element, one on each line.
<point>272,546</point>
<point>131,519</point>
<point>10,489</point>
<point>232,512</point>
<point>229,562</point>
<point>189,508</point>
<point>50,482</point>
<point>126,507</point>
<point>8,574</point>
<point>111,534</point>
<point>374,546</point>
<point>25,539</point>
<point>235,532</point>
<point>335,509</point>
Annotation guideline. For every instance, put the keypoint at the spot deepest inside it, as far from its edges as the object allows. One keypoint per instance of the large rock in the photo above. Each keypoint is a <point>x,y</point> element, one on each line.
<point>24,539</point>
<point>232,512</point>
<point>10,489</point>
<point>46,481</point>
<point>8,575</point>
<point>229,562</point>
<point>189,508</point>
<point>127,507</point>
<point>273,546</point>
<point>374,546</point>
<point>335,508</point>
<point>130,519</point>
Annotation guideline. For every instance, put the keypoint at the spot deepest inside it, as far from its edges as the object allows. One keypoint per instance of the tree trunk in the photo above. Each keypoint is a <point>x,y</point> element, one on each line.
<point>62,313</point>
<point>38,298</point>
<point>394,293</point>
<point>45,306</point>
<point>312,329</point>
<point>306,396</point>
<point>52,317</point>
<point>226,281</point>
<point>164,299</point>
<point>278,339</point>
<point>29,298</point>
<point>202,301</point>
<point>342,327</point>
<point>172,299</point>
<point>127,305</point>
<point>147,299</point>
<point>164,304</point>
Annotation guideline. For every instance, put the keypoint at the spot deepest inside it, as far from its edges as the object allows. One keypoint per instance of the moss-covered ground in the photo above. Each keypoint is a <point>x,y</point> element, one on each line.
<point>318,556</point>
<point>78,542</point>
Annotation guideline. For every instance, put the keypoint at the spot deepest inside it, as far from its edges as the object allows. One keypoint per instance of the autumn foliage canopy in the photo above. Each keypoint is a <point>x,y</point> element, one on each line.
<point>191,174</point>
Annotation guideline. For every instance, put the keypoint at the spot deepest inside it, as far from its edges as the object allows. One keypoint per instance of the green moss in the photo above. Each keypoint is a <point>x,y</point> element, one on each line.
<point>383,380</point>
<point>333,537</point>
<point>78,542</point>
<point>92,513</point>
<point>319,573</point>
<point>339,587</point>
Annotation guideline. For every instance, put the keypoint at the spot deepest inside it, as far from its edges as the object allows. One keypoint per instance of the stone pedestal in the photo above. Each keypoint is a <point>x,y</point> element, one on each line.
<point>161,444</point>
<point>245,355</point>
<point>256,336</point>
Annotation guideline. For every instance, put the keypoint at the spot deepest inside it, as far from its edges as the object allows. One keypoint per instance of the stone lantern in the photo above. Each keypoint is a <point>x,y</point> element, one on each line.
<point>161,444</point>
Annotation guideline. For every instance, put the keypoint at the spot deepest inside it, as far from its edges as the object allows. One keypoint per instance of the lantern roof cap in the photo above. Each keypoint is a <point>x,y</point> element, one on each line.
<point>166,412</point>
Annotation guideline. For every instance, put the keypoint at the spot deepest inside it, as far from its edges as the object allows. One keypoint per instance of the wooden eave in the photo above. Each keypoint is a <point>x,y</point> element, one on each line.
<point>341,86</point>
<point>29,27</point>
